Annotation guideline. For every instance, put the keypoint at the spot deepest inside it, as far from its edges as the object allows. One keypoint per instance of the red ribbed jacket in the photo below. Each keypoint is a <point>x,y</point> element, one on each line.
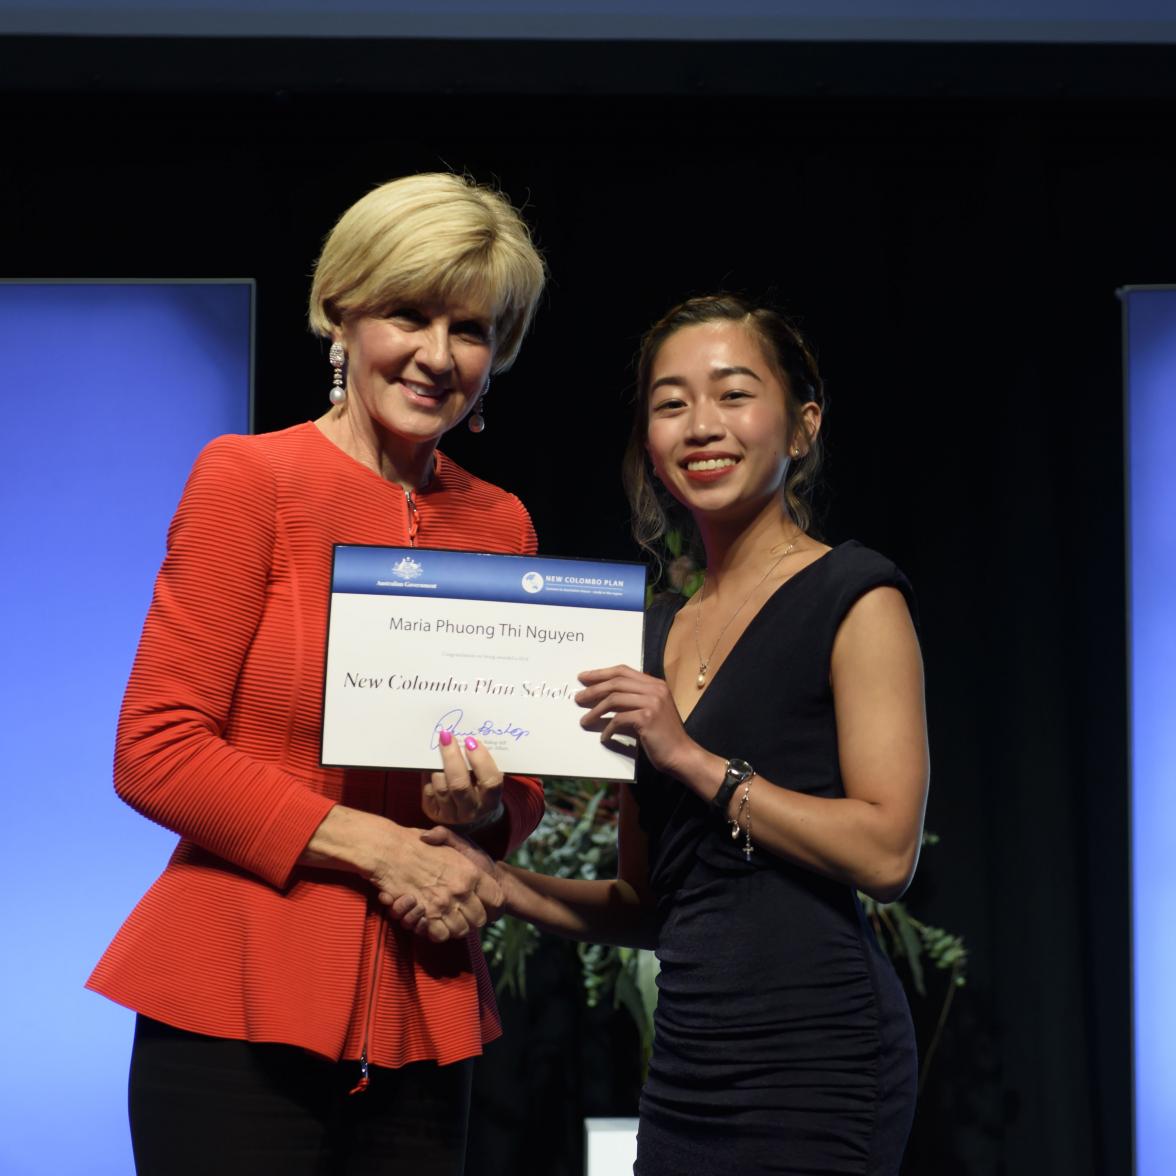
<point>219,740</point>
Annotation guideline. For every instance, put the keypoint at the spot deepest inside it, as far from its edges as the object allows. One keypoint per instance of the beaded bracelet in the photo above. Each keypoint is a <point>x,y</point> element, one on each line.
<point>744,803</point>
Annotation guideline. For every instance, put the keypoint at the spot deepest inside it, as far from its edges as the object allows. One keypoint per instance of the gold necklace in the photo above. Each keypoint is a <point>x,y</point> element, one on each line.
<point>703,662</point>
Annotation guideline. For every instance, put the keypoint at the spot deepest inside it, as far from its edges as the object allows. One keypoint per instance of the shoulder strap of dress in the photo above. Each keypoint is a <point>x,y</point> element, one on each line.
<point>859,571</point>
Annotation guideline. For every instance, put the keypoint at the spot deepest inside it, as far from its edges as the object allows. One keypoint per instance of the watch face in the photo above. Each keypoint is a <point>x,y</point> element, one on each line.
<point>736,772</point>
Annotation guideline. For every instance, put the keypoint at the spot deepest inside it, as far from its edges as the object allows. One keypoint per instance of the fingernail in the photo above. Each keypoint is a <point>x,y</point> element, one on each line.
<point>446,738</point>
<point>471,743</point>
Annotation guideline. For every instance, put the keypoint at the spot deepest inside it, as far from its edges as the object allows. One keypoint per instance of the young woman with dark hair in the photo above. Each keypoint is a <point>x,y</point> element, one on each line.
<point>783,768</point>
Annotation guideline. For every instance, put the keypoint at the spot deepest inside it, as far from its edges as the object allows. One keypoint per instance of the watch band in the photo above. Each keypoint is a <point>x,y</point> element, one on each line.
<point>738,772</point>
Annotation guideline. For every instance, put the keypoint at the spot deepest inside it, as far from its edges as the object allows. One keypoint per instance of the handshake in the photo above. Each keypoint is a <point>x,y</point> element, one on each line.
<point>444,887</point>
<point>449,886</point>
<point>434,882</point>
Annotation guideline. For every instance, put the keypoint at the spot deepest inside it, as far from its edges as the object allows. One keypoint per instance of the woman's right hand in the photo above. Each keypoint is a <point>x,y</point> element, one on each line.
<point>450,895</point>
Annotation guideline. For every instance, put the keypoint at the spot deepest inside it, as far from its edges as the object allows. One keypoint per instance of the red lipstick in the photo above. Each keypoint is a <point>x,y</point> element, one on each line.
<point>711,475</point>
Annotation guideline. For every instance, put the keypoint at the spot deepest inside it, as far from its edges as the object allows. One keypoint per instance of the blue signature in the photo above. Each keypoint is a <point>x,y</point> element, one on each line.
<point>450,719</point>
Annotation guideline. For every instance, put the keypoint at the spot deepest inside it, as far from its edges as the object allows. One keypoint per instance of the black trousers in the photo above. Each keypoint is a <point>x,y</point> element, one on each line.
<point>209,1106</point>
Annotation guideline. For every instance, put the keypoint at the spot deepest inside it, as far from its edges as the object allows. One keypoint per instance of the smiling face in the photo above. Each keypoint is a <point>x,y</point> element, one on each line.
<point>718,431</point>
<point>417,370</point>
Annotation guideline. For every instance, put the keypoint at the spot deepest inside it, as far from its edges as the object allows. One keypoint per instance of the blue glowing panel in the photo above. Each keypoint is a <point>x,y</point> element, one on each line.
<point>1150,317</point>
<point>112,391</point>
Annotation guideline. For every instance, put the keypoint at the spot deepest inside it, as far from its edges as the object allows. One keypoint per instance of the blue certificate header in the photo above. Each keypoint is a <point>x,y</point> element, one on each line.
<point>468,575</point>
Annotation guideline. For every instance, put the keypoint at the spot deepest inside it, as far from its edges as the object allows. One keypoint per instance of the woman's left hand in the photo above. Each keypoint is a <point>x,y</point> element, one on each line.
<point>463,794</point>
<point>636,704</point>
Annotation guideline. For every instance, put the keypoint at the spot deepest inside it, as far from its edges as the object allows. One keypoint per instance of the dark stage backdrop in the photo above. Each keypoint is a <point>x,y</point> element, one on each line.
<point>953,246</point>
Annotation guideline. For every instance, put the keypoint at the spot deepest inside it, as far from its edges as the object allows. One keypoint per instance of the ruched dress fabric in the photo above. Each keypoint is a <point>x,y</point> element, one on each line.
<point>219,740</point>
<point>783,1042</point>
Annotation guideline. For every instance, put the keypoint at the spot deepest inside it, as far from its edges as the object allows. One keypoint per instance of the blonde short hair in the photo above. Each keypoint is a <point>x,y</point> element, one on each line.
<point>425,237</point>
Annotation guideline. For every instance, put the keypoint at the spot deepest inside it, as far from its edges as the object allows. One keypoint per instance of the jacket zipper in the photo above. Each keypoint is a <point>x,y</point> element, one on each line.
<point>370,1013</point>
<point>364,1080</point>
<point>414,518</point>
<point>414,522</point>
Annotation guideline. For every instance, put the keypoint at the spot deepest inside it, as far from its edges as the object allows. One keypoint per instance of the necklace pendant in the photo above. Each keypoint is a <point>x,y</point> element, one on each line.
<point>700,681</point>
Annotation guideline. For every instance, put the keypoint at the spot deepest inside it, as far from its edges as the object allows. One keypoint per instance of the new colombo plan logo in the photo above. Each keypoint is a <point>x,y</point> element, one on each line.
<point>407,569</point>
<point>532,582</point>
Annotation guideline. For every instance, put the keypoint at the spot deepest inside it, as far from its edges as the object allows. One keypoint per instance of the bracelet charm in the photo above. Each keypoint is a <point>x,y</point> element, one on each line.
<point>737,824</point>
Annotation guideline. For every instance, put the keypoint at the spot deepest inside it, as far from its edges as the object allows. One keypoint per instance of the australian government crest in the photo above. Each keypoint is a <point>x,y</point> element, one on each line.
<point>407,569</point>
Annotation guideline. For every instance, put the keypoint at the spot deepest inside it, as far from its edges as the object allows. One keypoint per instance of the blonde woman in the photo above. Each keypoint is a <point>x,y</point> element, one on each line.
<point>287,1023</point>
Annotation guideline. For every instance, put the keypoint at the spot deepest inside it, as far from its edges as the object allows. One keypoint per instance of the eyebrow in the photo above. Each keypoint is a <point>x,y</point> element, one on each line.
<point>719,373</point>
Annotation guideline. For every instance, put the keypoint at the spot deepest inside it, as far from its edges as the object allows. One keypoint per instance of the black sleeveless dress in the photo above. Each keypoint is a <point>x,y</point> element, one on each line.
<point>783,1040</point>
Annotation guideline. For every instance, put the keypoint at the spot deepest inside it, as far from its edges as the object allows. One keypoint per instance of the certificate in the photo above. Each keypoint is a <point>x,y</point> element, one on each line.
<point>422,641</point>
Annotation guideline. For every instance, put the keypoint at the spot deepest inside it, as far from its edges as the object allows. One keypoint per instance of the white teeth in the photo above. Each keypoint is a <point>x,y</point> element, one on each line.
<point>713,463</point>
<point>422,389</point>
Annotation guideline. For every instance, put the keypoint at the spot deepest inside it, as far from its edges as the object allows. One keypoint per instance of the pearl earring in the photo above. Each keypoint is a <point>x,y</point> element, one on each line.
<point>477,418</point>
<point>337,358</point>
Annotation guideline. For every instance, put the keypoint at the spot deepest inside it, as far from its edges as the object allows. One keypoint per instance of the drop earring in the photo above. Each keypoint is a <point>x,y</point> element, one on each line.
<point>337,358</point>
<point>477,419</point>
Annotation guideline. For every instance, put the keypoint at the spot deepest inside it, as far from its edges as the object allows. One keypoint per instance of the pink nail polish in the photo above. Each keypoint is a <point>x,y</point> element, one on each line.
<point>471,743</point>
<point>446,738</point>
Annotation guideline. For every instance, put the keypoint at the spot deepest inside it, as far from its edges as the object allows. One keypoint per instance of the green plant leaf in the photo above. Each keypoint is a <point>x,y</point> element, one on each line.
<point>647,969</point>
<point>912,945</point>
<point>508,945</point>
<point>630,997</point>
